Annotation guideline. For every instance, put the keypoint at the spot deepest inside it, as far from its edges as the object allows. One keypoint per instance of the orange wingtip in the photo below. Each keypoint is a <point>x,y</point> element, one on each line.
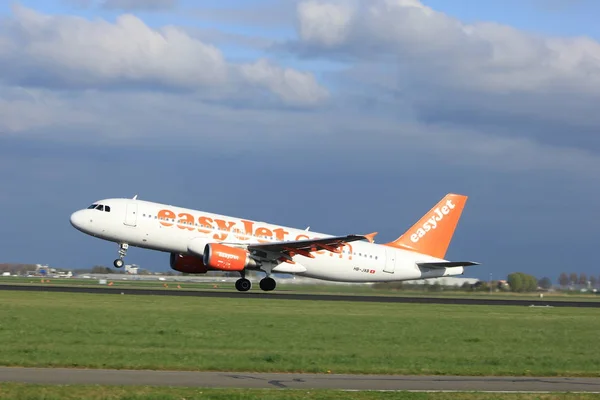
<point>371,236</point>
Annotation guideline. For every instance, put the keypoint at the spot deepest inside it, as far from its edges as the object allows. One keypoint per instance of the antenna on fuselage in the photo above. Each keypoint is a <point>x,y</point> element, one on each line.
<point>135,197</point>
<point>307,228</point>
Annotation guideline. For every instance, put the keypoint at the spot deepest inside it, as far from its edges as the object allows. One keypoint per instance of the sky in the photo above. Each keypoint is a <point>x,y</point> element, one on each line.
<point>346,116</point>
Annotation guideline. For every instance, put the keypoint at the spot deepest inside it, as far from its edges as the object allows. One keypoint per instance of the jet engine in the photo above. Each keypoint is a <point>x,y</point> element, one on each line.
<point>187,264</point>
<point>227,258</point>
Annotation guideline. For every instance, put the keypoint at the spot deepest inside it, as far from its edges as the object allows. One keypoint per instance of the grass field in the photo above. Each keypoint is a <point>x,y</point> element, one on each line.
<point>30,392</point>
<point>157,332</point>
<point>284,287</point>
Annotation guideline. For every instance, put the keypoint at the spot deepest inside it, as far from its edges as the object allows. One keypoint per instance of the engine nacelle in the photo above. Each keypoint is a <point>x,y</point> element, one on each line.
<point>227,258</point>
<point>196,246</point>
<point>187,264</point>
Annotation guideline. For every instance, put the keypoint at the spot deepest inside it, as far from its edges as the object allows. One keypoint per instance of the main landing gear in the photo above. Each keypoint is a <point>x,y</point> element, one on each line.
<point>267,284</point>
<point>118,263</point>
<point>243,285</point>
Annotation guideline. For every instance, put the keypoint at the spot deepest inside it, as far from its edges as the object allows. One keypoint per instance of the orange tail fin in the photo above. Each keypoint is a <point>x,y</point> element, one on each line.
<point>434,231</point>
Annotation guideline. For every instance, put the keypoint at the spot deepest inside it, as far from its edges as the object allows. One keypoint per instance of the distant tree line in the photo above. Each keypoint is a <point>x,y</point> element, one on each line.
<point>516,282</point>
<point>573,279</point>
<point>521,282</point>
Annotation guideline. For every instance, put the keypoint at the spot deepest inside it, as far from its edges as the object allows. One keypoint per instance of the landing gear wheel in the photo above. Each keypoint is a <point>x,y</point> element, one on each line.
<point>118,263</point>
<point>243,285</point>
<point>267,284</point>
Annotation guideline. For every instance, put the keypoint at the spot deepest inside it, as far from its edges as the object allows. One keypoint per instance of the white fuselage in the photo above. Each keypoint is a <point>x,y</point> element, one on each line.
<point>170,229</point>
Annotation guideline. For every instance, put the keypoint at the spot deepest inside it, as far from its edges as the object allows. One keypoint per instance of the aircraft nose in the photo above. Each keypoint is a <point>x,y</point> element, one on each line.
<point>77,219</point>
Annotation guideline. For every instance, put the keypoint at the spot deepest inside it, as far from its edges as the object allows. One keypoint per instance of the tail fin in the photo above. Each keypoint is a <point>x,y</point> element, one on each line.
<point>434,231</point>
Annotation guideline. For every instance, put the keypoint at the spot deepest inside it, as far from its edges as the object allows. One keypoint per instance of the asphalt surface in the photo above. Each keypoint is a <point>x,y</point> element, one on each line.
<point>297,296</point>
<point>67,376</point>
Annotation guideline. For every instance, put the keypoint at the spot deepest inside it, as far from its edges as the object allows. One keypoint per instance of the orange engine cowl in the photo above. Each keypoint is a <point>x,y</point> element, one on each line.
<point>187,264</point>
<point>226,258</point>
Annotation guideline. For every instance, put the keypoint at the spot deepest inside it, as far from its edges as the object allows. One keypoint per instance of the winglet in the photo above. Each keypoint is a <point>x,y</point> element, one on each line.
<point>371,236</point>
<point>432,234</point>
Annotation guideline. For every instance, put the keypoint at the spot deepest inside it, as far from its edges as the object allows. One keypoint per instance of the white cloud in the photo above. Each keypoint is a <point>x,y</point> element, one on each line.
<point>487,78</point>
<point>291,85</point>
<point>191,94</point>
<point>484,55</point>
<point>325,23</point>
<point>73,52</point>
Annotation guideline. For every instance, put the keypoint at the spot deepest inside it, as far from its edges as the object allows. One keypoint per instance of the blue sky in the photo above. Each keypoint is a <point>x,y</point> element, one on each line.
<point>306,116</point>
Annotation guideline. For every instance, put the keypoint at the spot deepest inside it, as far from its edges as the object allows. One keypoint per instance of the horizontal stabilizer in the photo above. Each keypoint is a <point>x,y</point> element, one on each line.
<point>447,264</point>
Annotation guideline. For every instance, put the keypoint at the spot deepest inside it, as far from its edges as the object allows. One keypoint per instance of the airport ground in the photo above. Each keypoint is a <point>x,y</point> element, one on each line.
<point>284,286</point>
<point>39,329</point>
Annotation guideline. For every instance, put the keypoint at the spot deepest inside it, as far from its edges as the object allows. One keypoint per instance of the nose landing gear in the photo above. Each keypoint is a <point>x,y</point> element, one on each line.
<point>118,263</point>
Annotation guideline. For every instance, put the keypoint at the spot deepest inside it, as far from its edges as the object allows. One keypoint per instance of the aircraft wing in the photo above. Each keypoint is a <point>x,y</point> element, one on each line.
<point>446,264</point>
<point>304,247</point>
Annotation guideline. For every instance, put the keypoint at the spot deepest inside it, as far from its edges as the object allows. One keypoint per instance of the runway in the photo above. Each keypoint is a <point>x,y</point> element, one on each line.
<point>67,376</point>
<point>299,296</point>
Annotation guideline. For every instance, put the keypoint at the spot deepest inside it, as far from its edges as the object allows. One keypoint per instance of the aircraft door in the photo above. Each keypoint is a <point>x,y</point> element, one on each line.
<point>131,214</point>
<point>390,261</point>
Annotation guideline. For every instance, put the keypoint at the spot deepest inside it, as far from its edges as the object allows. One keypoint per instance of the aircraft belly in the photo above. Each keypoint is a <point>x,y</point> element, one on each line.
<point>355,270</point>
<point>336,269</point>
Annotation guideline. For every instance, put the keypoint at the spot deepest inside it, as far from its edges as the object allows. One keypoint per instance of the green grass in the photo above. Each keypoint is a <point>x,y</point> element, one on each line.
<point>186,333</point>
<point>283,287</point>
<point>11,391</point>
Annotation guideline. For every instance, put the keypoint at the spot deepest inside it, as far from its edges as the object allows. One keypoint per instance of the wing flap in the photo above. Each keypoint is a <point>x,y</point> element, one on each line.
<point>284,251</point>
<point>306,244</point>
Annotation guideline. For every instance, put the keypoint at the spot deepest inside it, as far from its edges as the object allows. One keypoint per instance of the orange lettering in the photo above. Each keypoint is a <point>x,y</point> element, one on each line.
<point>263,232</point>
<point>186,221</point>
<point>313,248</point>
<point>164,215</point>
<point>280,233</point>
<point>205,223</point>
<point>223,225</point>
<point>349,246</point>
<point>248,231</point>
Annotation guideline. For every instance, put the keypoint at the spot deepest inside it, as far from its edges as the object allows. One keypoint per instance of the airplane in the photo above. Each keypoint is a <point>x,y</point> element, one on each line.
<point>199,241</point>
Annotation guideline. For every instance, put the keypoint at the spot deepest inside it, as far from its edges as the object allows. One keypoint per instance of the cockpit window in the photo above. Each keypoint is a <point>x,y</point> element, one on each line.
<point>99,207</point>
